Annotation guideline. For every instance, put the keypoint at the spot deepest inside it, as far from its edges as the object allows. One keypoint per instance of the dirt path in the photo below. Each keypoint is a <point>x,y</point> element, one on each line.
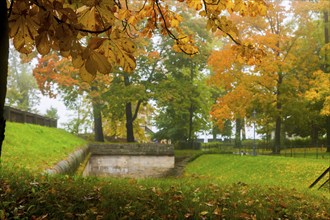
<point>177,171</point>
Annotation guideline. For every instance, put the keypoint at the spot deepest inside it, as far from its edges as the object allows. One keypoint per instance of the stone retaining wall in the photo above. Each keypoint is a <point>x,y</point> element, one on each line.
<point>71,163</point>
<point>149,156</point>
<point>130,160</point>
<point>133,149</point>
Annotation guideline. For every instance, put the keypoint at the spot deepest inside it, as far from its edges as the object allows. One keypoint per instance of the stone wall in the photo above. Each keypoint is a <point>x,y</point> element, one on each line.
<point>134,149</point>
<point>71,163</point>
<point>130,160</point>
<point>119,159</point>
<point>129,166</point>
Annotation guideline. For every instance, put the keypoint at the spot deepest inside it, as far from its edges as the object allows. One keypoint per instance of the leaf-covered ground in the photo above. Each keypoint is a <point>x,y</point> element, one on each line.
<point>63,197</point>
<point>213,187</point>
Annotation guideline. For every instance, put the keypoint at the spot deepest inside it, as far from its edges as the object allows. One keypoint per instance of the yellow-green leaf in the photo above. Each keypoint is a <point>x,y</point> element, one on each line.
<point>85,75</point>
<point>42,43</point>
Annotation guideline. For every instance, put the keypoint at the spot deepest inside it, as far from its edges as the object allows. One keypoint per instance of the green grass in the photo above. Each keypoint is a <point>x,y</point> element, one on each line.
<point>286,172</point>
<point>214,187</point>
<point>63,197</point>
<point>36,148</point>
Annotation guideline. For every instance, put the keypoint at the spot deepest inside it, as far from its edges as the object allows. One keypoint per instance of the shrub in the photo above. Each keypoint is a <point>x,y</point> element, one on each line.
<point>182,145</point>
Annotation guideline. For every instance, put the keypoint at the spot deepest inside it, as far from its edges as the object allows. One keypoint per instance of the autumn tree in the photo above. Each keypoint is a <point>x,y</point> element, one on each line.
<point>97,34</point>
<point>318,93</point>
<point>56,75</point>
<point>275,86</point>
<point>234,102</point>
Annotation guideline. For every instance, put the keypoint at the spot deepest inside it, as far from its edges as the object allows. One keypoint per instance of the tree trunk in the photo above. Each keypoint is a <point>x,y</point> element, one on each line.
<point>328,133</point>
<point>326,68</point>
<point>278,125</point>
<point>129,115</point>
<point>98,129</point>
<point>238,142</point>
<point>277,145</point>
<point>129,123</point>
<point>4,50</point>
<point>243,129</point>
<point>314,135</point>
<point>326,39</point>
<point>190,132</point>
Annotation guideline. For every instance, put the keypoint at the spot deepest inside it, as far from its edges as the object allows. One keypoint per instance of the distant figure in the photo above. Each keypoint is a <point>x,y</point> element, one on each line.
<point>242,153</point>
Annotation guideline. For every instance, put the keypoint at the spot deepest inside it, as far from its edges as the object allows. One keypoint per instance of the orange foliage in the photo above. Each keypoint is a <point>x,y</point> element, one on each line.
<point>99,35</point>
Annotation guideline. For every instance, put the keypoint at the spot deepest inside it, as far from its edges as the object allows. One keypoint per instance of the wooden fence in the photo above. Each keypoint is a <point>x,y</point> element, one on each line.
<point>16,115</point>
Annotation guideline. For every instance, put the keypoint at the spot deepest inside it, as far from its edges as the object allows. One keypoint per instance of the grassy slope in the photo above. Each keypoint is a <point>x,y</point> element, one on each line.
<point>36,148</point>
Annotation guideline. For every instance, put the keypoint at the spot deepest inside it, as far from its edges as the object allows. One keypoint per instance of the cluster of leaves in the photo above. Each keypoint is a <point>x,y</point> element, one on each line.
<point>97,35</point>
<point>59,26</point>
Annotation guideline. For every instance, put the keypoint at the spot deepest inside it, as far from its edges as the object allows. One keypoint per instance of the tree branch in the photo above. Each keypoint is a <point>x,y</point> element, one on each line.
<point>164,21</point>
<point>136,110</point>
<point>63,22</point>
<point>10,8</point>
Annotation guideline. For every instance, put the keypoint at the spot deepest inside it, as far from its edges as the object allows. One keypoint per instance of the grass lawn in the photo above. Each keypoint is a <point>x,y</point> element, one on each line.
<point>286,172</point>
<point>213,187</point>
<point>35,147</point>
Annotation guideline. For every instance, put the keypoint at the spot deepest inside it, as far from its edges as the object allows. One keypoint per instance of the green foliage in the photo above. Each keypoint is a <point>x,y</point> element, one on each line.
<point>22,87</point>
<point>52,113</point>
<point>303,142</point>
<point>218,147</point>
<point>185,145</point>
<point>183,97</point>
<point>36,148</point>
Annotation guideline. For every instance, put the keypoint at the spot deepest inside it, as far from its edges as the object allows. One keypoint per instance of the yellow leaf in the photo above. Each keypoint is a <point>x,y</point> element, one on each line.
<point>202,13</point>
<point>88,18</point>
<point>101,63</point>
<point>128,45</point>
<point>26,32</point>
<point>106,13</point>
<point>209,25</point>
<point>217,211</point>
<point>42,43</point>
<point>106,50</point>
<point>174,22</point>
<point>65,53</point>
<point>77,61</point>
<point>85,75</point>
<point>95,42</point>
<point>130,63</point>
<point>132,20</point>
<point>90,65</point>
<point>204,213</point>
